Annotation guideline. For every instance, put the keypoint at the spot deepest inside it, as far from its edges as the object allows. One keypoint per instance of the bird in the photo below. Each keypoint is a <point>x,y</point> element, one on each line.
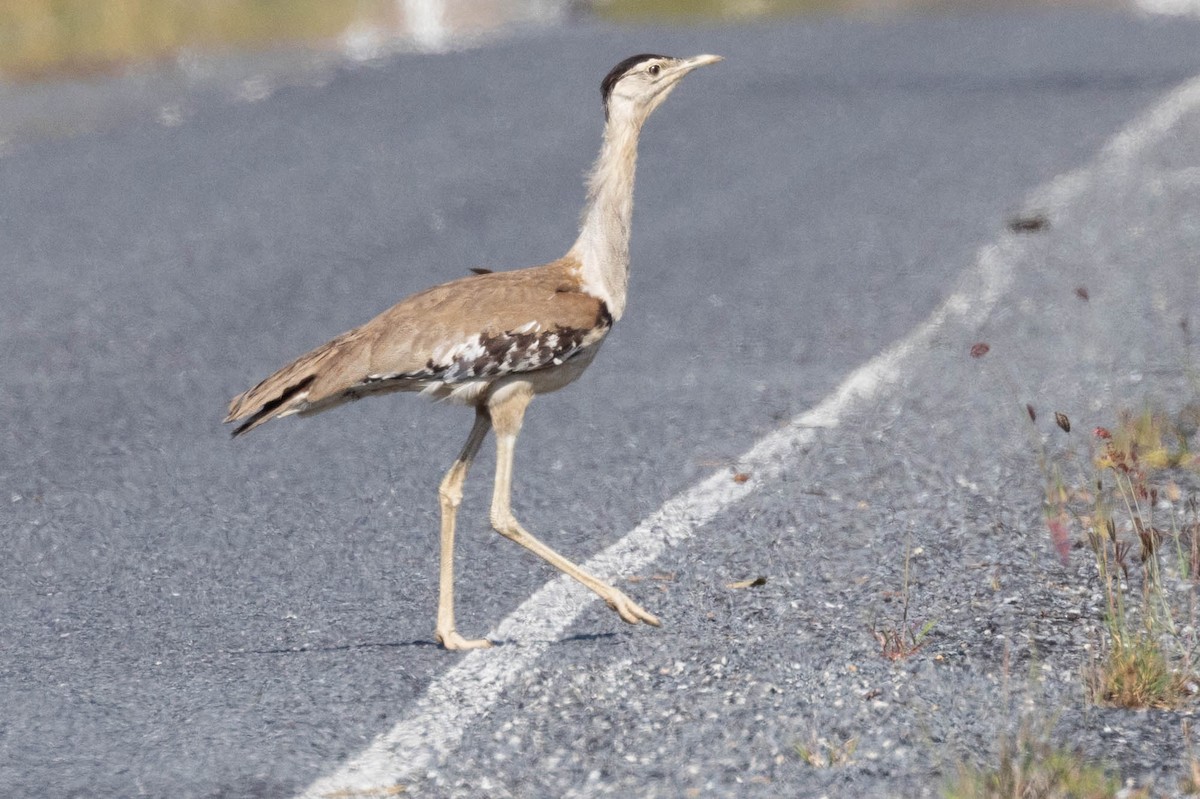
<point>494,340</point>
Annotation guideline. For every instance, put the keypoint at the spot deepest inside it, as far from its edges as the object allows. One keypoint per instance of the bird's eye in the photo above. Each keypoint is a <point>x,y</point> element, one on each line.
<point>654,70</point>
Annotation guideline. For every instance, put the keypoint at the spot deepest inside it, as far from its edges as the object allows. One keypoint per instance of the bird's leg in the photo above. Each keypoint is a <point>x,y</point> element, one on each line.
<point>507,411</point>
<point>450,495</point>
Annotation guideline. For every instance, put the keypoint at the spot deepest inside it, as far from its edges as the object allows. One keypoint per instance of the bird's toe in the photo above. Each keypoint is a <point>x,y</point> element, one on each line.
<point>630,611</point>
<point>453,641</point>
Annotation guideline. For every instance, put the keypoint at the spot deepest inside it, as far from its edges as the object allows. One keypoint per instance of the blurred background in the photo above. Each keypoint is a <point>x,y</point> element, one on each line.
<point>68,66</point>
<point>41,39</point>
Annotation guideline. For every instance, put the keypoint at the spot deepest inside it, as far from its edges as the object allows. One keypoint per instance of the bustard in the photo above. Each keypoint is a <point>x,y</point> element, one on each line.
<point>495,340</point>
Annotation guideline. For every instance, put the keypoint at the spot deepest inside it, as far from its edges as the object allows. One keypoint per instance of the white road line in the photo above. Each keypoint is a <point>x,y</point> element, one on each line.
<point>434,728</point>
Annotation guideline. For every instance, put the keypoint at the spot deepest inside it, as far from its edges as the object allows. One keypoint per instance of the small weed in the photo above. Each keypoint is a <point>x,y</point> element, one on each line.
<point>898,643</point>
<point>1031,767</point>
<point>822,753</point>
<point>903,640</point>
<point>1143,660</point>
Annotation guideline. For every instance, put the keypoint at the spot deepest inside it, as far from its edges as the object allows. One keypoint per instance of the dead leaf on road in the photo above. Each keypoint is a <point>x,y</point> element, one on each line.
<point>663,577</point>
<point>755,583</point>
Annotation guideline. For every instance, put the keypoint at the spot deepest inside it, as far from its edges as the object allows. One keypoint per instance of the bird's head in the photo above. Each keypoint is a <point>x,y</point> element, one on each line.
<point>639,84</point>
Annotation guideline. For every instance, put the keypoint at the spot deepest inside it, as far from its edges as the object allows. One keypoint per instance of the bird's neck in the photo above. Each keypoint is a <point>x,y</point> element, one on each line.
<point>602,248</point>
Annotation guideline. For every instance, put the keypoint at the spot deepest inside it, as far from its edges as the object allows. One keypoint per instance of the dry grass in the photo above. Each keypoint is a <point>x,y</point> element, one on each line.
<point>1030,767</point>
<point>823,753</point>
<point>1138,673</point>
<point>1190,784</point>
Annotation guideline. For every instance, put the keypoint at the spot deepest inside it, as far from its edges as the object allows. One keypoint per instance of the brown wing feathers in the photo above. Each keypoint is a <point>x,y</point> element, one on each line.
<point>419,339</point>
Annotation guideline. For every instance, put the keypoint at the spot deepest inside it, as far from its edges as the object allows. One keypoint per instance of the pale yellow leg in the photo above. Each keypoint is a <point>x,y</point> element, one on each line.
<point>507,412</point>
<point>450,494</point>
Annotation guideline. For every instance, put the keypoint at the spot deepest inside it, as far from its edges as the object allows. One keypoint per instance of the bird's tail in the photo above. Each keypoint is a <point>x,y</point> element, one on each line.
<point>282,394</point>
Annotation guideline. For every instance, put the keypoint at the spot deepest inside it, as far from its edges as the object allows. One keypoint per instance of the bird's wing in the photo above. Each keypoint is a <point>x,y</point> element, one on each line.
<point>477,327</point>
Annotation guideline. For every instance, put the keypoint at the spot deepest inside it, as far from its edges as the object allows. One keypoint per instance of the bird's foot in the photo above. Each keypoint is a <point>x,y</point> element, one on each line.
<point>450,639</point>
<point>629,610</point>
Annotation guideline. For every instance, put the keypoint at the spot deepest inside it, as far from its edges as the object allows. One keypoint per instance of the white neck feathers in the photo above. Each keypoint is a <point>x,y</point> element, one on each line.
<point>603,244</point>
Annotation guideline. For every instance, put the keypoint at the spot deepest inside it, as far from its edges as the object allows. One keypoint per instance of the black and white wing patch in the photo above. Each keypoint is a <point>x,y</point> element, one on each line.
<point>526,349</point>
<point>484,357</point>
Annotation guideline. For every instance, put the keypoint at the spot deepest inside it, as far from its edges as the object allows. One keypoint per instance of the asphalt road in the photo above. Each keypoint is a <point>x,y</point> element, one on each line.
<point>184,615</point>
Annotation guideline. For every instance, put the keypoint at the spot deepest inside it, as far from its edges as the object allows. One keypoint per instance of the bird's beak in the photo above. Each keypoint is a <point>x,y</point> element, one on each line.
<point>700,61</point>
<point>686,65</point>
